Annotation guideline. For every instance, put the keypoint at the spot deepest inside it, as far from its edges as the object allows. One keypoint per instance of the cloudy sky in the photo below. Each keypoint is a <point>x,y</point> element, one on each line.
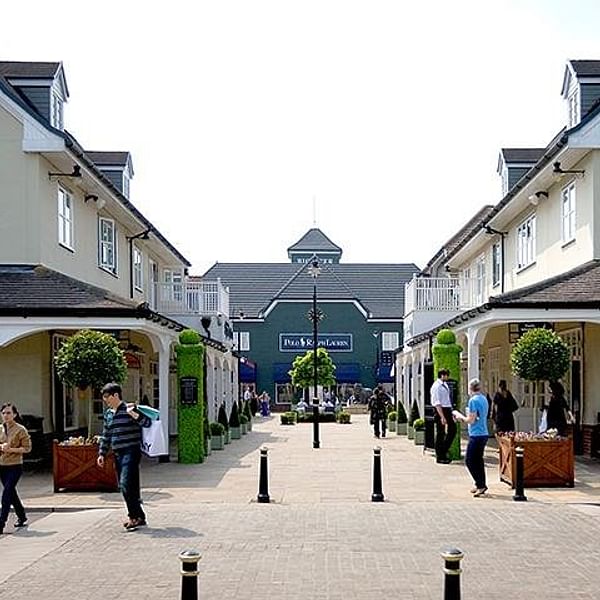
<point>238,114</point>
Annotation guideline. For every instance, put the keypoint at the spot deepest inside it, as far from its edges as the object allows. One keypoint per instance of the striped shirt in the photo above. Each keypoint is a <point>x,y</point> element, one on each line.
<point>121,431</point>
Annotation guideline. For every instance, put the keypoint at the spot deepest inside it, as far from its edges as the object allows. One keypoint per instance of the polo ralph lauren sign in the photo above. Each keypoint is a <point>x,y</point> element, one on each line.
<point>300,342</point>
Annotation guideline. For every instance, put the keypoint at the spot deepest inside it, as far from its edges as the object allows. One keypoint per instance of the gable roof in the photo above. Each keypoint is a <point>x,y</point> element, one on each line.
<point>379,288</point>
<point>521,155</point>
<point>586,68</point>
<point>314,240</point>
<point>29,70</point>
<point>111,158</point>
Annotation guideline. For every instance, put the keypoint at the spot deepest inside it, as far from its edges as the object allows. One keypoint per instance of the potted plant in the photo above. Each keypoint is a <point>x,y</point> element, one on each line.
<point>419,427</point>
<point>248,413</point>
<point>344,417</point>
<point>414,415</point>
<point>234,422</point>
<point>392,419</point>
<point>401,425</point>
<point>222,418</point>
<point>217,433</point>
<point>288,418</point>
<point>244,424</point>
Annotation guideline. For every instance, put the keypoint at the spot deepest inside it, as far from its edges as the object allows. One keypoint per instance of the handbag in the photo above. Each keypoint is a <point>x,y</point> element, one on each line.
<point>153,440</point>
<point>543,426</point>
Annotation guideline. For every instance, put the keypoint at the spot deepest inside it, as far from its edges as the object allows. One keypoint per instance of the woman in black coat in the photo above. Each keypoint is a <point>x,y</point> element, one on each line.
<point>504,405</point>
<point>558,414</point>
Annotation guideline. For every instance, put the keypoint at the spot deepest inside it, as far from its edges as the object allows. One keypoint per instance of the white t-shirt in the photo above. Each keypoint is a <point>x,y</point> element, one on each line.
<point>440,394</point>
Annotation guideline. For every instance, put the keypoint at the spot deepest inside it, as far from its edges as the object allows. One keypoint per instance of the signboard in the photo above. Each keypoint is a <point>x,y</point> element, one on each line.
<point>301,342</point>
<point>516,330</point>
<point>188,391</point>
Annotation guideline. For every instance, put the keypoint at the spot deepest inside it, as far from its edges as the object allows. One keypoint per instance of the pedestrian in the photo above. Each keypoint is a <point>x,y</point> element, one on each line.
<point>378,405</point>
<point>476,419</point>
<point>264,401</point>
<point>559,414</point>
<point>123,433</point>
<point>503,407</point>
<point>253,403</point>
<point>445,425</point>
<point>14,443</point>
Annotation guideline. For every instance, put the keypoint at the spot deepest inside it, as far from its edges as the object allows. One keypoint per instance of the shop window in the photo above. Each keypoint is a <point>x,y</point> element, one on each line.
<point>284,393</point>
<point>390,340</point>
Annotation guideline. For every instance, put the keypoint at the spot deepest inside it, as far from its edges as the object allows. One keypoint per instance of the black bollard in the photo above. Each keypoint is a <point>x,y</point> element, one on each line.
<point>452,571</point>
<point>316,441</point>
<point>377,495</point>
<point>189,574</point>
<point>519,495</point>
<point>263,480</point>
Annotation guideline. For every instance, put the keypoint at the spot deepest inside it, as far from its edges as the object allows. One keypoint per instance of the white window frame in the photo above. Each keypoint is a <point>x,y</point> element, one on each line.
<point>153,274</point>
<point>390,340</point>
<point>65,218</point>
<point>526,242</point>
<point>496,264</point>
<point>138,270</point>
<point>242,340</point>
<point>568,222</point>
<point>174,291</point>
<point>106,246</point>
<point>480,280</point>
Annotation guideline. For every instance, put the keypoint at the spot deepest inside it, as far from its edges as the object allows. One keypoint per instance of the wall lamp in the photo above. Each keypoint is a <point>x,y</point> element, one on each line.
<point>76,173</point>
<point>88,197</point>
<point>535,198</point>
<point>557,169</point>
<point>491,231</point>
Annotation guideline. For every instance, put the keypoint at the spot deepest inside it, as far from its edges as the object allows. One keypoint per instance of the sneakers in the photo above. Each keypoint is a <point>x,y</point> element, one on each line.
<point>479,492</point>
<point>21,523</point>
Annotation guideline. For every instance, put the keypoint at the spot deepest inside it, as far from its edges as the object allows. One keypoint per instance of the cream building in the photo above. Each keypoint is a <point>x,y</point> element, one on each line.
<point>75,252</point>
<point>532,259</point>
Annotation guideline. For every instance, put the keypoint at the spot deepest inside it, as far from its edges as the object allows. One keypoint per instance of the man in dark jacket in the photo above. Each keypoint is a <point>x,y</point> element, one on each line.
<point>123,433</point>
<point>378,405</point>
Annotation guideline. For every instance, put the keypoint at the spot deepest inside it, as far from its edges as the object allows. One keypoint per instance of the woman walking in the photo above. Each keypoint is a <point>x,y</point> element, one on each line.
<point>503,407</point>
<point>14,442</point>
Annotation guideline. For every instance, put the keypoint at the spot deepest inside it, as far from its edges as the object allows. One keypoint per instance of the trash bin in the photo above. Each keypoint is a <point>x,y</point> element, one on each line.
<point>430,427</point>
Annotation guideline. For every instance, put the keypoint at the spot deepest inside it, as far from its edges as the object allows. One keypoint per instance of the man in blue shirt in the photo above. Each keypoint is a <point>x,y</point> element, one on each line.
<point>476,419</point>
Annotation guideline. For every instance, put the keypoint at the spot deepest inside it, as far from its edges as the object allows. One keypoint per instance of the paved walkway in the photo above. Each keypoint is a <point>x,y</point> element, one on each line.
<point>321,538</point>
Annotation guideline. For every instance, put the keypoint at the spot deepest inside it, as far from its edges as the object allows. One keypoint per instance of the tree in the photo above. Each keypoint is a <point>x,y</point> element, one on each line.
<point>302,371</point>
<point>90,358</point>
<point>540,355</point>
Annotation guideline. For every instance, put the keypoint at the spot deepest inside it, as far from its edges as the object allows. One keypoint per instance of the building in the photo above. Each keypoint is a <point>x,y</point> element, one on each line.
<point>76,252</point>
<point>533,259</point>
<point>362,325</point>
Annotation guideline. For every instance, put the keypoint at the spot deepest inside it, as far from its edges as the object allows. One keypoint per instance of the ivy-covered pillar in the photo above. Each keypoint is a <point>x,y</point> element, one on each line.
<point>190,397</point>
<point>446,355</point>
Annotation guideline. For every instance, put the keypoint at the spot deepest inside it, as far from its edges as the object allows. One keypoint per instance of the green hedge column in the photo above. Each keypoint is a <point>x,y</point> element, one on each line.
<point>446,355</point>
<point>190,397</point>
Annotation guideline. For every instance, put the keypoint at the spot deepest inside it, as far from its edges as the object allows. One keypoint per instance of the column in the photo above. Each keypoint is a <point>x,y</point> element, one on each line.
<point>473,353</point>
<point>164,356</point>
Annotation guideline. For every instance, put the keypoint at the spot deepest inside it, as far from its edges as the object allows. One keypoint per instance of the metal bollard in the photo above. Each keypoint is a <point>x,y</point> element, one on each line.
<point>519,495</point>
<point>189,574</point>
<point>263,480</point>
<point>377,495</point>
<point>452,571</point>
<point>316,440</point>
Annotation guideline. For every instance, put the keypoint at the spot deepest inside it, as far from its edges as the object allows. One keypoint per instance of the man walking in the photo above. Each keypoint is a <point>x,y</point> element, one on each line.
<point>378,405</point>
<point>122,432</point>
<point>445,425</point>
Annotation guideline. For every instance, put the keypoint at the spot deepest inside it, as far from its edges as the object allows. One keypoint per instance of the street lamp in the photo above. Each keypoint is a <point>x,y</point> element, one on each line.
<point>314,316</point>
<point>375,334</point>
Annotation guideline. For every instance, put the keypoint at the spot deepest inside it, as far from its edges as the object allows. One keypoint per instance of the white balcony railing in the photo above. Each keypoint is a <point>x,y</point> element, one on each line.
<point>192,298</point>
<point>446,294</point>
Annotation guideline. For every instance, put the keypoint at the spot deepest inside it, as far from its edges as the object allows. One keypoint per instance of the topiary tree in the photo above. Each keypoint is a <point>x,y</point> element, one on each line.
<point>234,417</point>
<point>414,413</point>
<point>302,371</point>
<point>401,413</point>
<point>540,355</point>
<point>90,358</point>
<point>222,417</point>
<point>247,411</point>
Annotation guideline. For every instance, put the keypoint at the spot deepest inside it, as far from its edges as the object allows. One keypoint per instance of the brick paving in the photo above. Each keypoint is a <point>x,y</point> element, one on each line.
<point>321,538</point>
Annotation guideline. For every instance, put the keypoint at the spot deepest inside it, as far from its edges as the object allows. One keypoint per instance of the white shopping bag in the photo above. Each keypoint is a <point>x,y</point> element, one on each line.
<point>543,422</point>
<point>153,440</point>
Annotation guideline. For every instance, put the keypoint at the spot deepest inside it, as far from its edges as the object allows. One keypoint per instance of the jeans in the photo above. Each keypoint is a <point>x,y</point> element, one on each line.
<point>127,462</point>
<point>10,475</point>
<point>376,422</point>
<point>444,434</point>
<point>474,459</point>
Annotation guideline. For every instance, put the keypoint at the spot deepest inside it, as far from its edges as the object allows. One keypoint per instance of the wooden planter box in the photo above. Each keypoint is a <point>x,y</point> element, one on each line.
<point>545,463</point>
<point>75,468</point>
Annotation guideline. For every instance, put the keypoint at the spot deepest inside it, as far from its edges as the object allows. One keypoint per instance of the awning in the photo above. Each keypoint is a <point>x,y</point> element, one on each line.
<point>347,372</point>
<point>280,372</point>
<point>247,371</point>
<point>384,374</point>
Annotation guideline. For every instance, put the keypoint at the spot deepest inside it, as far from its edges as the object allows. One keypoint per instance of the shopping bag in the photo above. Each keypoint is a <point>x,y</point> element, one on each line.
<point>148,411</point>
<point>153,440</point>
<point>543,426</point>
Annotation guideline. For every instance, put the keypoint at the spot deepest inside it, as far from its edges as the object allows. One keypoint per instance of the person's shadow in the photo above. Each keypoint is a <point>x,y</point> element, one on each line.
<point>170,532</point>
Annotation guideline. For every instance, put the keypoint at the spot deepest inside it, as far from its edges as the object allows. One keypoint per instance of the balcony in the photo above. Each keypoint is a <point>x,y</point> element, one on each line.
<point>429,301</point>
<point>194,298</point>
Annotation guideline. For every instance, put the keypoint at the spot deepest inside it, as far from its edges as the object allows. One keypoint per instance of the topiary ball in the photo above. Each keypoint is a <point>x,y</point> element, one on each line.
<point>445,336</point>
<point>189,337</point>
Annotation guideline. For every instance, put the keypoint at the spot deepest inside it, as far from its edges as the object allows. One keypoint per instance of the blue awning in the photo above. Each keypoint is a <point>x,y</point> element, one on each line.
<point>247,371</point>
<point>384,374</point>
<point>347,372</point>
<point>280,372</point>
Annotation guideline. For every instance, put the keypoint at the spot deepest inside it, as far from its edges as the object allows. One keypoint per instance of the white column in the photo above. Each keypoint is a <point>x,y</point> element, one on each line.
<point>163,383</point>
<point>473,353</point>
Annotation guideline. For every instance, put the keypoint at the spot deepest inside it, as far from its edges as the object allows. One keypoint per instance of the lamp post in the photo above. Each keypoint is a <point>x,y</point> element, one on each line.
<point>314,316</point>
<point>375,334</point>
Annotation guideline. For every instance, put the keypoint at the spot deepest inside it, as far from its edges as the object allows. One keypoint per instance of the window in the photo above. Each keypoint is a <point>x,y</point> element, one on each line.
<point>526,243</point>
<point>153,284</point>
<point>56,116</point>
<point>568,213</point>
<point>242,340</point>
<point>496,264</point>
<point>64,394</point>
<point>107,245</point>
<point>65,219</point>
<point>137,269</point>
<point>174,288</point>
<point>390,340</point>
<point>480,280</point>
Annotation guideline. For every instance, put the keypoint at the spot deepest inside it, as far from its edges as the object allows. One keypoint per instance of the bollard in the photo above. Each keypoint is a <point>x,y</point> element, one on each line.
<point>189,574</point>
<point>519,495</point>
<point>316,441</point>
<point>377,495</point>
<point>452,571</point>
<point>263,480</point>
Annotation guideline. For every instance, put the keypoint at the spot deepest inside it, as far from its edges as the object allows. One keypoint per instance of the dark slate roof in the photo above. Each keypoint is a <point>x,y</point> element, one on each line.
<point>586,68</point>
<point>108,158</point>
<point>522,155</point>
<point>463,233</point>
<point>29,70</point>
<point>252,286</point>
<point>314,240</point>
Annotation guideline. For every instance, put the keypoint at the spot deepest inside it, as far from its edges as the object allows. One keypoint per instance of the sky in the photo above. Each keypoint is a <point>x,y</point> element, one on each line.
<point>250,121</point>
